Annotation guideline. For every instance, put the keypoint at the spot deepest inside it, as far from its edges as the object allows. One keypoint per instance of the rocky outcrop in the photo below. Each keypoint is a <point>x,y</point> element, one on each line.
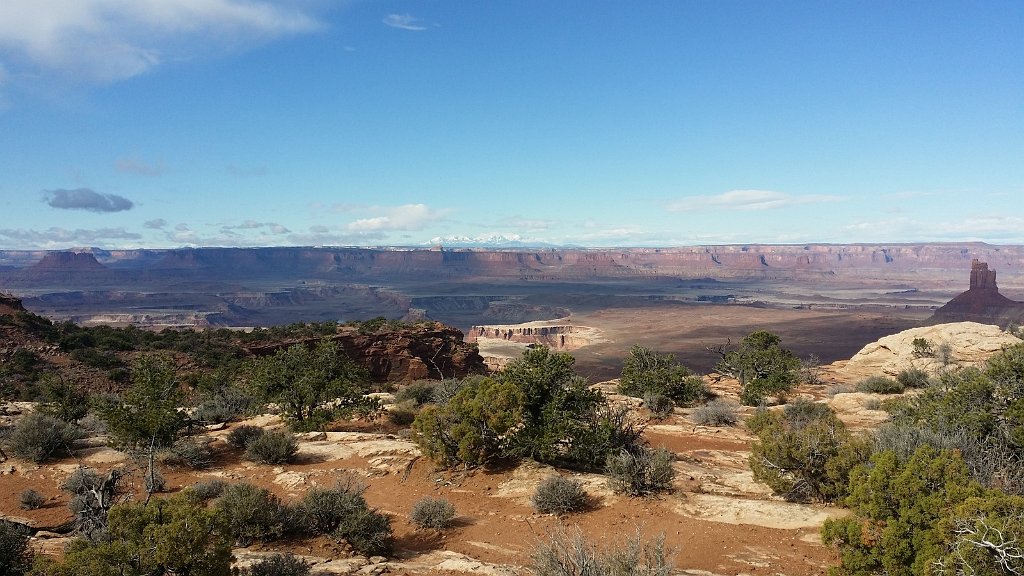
<point>554,336</point>
<point>969,343</point>
<point>9,305</point>
<point>982,302</point>
<point>415,352</point>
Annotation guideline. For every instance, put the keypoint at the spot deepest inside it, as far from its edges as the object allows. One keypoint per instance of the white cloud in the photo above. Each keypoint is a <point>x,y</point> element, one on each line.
<point>747,200</point>
<point>996,229</point>
<point>404,22</point>
<point>56,237</point>
<point>107,40</point>
<point>406,217</point>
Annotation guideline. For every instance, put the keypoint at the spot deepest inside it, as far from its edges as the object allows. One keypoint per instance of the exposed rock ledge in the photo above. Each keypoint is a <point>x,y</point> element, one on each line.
<point>557,336</point>
<point>969,343</point>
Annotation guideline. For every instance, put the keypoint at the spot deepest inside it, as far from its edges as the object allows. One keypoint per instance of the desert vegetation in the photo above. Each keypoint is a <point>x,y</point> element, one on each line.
<point>948,460</point>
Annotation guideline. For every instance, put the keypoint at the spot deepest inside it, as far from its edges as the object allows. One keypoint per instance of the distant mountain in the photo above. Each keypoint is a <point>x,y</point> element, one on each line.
<point>490,241</point>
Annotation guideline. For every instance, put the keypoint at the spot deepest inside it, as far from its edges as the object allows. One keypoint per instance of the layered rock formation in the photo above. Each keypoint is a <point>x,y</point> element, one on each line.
<point>982,302</point>
<point>554,336</point>
<point>416,352</point>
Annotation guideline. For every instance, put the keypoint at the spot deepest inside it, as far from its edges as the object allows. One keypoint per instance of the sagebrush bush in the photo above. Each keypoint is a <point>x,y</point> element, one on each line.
<point>368,532</point>
<point>31,500</point>
<point>640,471</point>
<point>403,414</point>
<point>38,437</point>
<point>660,405</point>
<point>573,555</point>
<point>194,453</point>
<point>273,447</point>
<point>240,436</point>
<point>225,406</point>
<point>880,385</point>
<point>419,393</point>
<point>252,513</point>
<point>432,513</point>
<point>913,378</point>
<point>342,512</point>
<point>716,413</point>
<point>559,495</point>
<point>208,489</point>
<point>278,565</point>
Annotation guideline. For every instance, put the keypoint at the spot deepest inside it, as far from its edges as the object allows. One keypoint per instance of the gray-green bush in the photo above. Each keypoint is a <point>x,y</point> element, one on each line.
<point>559,495</point>
<point>571,554</point>
<point>252,513</point>
<point>660,405</point>
<point>39,437</point>
<point>273,447</point>
<point>343,512</point>
<point>432,513</point>
<point>31,500</point>
<point>716,413</point>
<point>240,436</point>
<point>880,385</point>
<point>641,471</point>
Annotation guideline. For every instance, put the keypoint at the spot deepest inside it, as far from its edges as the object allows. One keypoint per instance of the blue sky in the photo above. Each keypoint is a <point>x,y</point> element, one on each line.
<point>165,123</point>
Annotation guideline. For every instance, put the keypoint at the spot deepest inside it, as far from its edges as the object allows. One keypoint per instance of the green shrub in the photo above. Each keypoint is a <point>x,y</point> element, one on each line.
<point>368,532</point>
<point>880,385</point>
<point>252,513</point>
<point>762,366</point>
<point>343,512</point>
<point>716,413</point>
<point>38,437</point>
<point>446,389</point>
<point>208,489</point>
<point>278,565</point>
<point>432,513</point>
<point>559,495</point>
<point>402,415</point>
<point>804,452</point>
<point>226,405</point>
<point>660,406</point>
<point>647,372</point>
<point>272,447</point>
<point>240,436</point>
<point>913,378</point>
<point>572,555</point>
<point>641,471</point>
<point>922,348</point>
<point>15,552</point>
<point>419,393</point>
<point>31,500</point>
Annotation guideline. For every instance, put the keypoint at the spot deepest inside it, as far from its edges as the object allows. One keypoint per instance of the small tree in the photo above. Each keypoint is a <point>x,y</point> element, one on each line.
<point>173,536</point>
<point>147,418</point>
<point>762,366</point>
<point>804,452</point>
<point>646,372</point>
<point>312,385</point>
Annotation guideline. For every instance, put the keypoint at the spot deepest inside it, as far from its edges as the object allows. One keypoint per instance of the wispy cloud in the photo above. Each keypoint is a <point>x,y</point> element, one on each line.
<point>406,217</point>
<point>405,22</point>
<point>747,200</point>
<point>107,40</point>
<point>136,166</point>
<point>61,237</point>
<point>981,228</point>
<point>86,199</point>
<point>271,227</point>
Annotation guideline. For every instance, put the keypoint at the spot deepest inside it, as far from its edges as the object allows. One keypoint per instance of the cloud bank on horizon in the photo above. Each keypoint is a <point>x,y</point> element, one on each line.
<point>165,123</point>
